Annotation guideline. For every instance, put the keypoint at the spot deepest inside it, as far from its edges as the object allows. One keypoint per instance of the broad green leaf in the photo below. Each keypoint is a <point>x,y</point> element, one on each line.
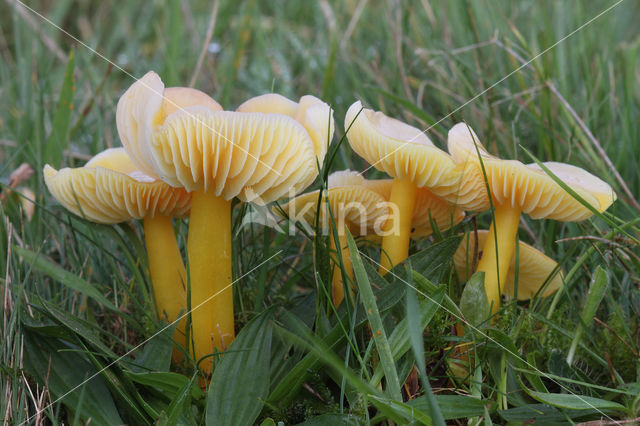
<point>599,284</point>
<point>57,142</point>
<point>331,420</point>
<point>50,362</point>
<point>575,402</point>
<point>453,406</point>
<point>240,382</point>
<point>409,411</point>
<point>176,409</point>
<point>80,328</point>
<point>373,315</point>
<point>169,384</point>
<point>156,354</point>
<point>416,327</point>
<point>541,413</point>
<point>430,262</point>
<point>66,278</point>
<point>399,339</point>
<point>473,302</point>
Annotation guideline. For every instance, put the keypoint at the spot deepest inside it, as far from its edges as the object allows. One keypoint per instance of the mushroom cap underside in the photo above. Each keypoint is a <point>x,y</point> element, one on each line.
<point>109,189</point>
<point>400,150</point>
<point>525,186</point>
<point>256,156</point>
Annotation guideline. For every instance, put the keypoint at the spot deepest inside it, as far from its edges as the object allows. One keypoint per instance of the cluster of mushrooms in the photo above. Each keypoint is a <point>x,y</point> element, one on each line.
<point>183,155</point>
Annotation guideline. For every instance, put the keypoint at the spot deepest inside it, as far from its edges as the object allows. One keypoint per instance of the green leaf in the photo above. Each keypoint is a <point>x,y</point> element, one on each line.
<point>541,414</point>
<point>599,284</point>
<point>240,382</point>
<point>176,409</point>
<point>432,261</point>
<point>373,315</point>
<point>331,420</point>
<point>156,354</point>
<point>66,278</point>
<point>50,362</point>
<point>416,327</point>
<point>76,326</point>
<point>575,402</point>
<point>57,142</point>
<point>408,411</point>
<point>169,384</point>
<point>399,339</point>
<point>473,302</point>
<point>453,406</point>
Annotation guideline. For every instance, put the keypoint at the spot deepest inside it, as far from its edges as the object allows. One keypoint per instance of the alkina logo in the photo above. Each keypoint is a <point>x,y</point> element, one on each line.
<point>353,215</point>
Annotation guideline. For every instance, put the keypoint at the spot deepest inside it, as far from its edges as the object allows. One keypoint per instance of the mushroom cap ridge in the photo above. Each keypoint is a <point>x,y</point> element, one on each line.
<point>526,186</point>
<point>109,189</point>
<point>534,267</point>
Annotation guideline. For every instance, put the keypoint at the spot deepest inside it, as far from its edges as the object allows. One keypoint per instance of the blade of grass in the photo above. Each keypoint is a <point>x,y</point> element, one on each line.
<point>599,284</point>
<point>373,316</point>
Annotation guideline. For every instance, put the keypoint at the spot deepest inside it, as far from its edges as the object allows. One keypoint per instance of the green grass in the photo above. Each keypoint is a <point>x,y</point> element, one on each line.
<point>75,296</point>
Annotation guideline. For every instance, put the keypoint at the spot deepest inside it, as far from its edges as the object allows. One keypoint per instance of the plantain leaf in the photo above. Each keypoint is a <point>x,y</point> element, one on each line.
<point>473,302</point>
<point>240,382</point>
<point>49,361</point>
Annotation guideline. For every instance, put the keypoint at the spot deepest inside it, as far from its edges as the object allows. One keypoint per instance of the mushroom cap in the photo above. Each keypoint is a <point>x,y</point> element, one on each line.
<point>352,203</point>
<point>348,186</point>
<point>315,115</point>
<point>110,189</point>
<point>400,150</point>
<point>255,156</point>
<point>525,186</point>
<point>534,267</point>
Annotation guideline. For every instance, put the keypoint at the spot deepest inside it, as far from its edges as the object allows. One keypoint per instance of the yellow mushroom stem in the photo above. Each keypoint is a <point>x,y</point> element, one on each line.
<point>209,250</point>
<point>397,228</point>
<point>505,225</point>
<point>168,276</point>
<point>337,284</point>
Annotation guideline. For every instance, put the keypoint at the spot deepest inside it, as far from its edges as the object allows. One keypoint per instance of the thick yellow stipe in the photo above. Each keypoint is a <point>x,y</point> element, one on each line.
<point>337,285</point>
<point>506,223</point>
<point>209,249</point>
<point>168,275</point>
<point>397,229</point>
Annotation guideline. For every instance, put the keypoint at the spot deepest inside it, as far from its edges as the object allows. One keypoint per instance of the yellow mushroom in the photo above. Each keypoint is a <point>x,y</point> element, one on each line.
<point>110,189</point>
<point>217,155</point>
<point>518,188</point>
<point>405,153</point>
<point>534,267</point>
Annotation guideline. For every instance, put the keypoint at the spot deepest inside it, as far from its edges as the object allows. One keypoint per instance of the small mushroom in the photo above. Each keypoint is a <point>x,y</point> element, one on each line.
<point>110,189</point>
<point>352,204</point>
<point>518,188</point>
<point>405,153</point>
<point>534,267</point>
<point>257,156</point>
